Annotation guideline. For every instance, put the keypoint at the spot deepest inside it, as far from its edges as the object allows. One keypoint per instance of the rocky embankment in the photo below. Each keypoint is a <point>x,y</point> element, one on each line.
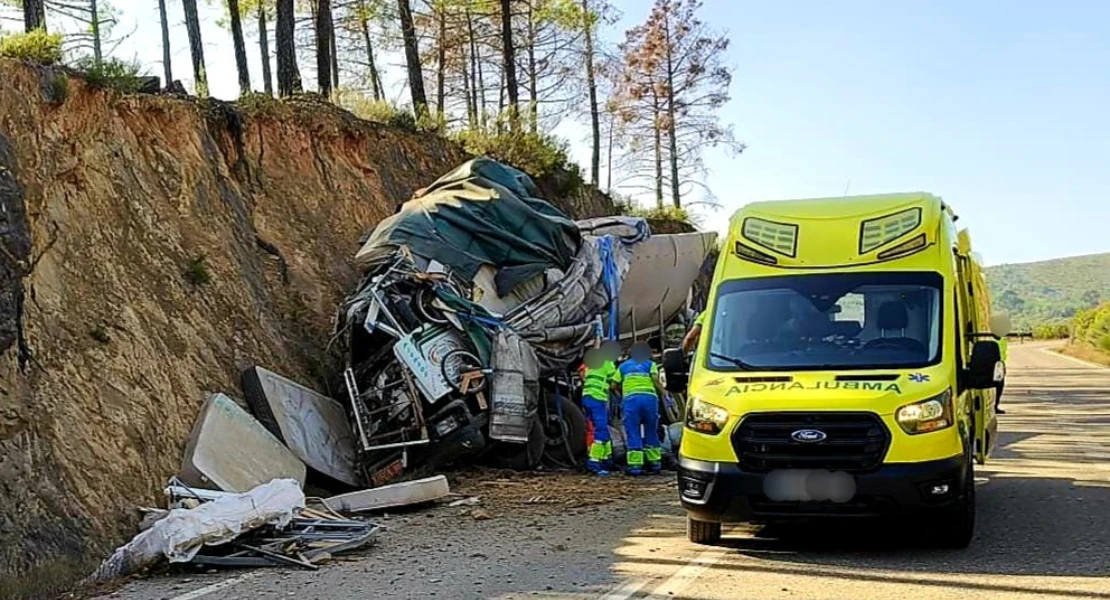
<point>153,247</point>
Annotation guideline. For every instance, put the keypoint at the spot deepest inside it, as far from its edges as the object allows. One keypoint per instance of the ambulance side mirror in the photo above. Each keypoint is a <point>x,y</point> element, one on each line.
<point>676,370</point>
<point>985,369</point>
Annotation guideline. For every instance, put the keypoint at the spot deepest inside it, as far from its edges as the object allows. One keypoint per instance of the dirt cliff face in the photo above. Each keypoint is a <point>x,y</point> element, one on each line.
<point>154,247</point>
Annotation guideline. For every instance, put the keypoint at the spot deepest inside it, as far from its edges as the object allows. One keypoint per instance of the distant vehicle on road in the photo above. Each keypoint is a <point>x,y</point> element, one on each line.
<point>846,367</point>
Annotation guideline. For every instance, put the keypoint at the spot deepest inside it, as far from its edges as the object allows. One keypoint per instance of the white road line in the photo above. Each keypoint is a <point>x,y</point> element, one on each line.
<point>627,590</point>
<point>215,587</point>
<point>1072,359</point>
<point>671,586</point>
<point>688,574</point>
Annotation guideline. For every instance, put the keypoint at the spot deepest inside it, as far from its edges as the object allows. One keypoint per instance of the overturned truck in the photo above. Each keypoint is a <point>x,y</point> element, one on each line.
<point>477,302</point>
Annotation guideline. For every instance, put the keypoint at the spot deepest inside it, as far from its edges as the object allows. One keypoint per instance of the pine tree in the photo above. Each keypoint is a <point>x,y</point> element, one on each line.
<point>674,79</point>
<point>34,15</point>
<point>196,46</point>
<point>289,77</point>
<point>240,46</point>
<point>412,59</point>
<point>167,66</point>
<point>325,47</point>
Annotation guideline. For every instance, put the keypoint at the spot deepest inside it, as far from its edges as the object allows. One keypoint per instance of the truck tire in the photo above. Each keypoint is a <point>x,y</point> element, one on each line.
<point>956,528</point>
<point>703,532</point>
<point>574,424</point>
<point>521,457</point>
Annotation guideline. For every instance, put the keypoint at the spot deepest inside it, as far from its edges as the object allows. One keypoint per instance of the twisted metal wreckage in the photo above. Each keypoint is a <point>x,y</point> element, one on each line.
<point>478,298</point>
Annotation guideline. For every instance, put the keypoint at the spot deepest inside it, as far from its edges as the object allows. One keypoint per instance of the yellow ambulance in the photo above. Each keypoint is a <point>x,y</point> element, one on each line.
<point>845,368</point>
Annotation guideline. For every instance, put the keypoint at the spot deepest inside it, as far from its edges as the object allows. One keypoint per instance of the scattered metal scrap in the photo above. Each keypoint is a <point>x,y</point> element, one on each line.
<point>306,542</point>
<point>308,539</point>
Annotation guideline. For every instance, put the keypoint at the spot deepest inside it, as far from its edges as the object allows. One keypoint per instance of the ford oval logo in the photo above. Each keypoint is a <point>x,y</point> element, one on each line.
<point>808,436</point>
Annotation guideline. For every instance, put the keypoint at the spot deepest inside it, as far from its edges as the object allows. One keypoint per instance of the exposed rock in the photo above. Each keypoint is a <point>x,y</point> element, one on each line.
<point>176,242</point>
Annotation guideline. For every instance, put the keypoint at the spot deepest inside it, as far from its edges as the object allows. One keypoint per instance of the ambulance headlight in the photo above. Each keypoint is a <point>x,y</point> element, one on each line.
<point>932,414</point>
<point>704,417</point>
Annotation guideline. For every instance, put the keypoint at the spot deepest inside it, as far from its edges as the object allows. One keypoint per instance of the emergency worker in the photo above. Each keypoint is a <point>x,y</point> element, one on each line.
<point>640,393</point>
<point>691,340</point>
<point>1003,348</point>
<point>597,381</point>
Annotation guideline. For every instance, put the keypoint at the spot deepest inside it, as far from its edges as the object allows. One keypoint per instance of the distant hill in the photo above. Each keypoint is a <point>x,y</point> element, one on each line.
<point>1051,291</point>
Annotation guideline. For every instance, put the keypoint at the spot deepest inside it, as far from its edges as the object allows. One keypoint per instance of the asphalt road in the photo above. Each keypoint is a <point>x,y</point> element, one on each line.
<point>1043,533</point>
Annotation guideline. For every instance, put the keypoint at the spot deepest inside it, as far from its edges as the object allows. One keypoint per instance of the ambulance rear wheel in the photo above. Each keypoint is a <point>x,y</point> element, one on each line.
<point>703,532</point>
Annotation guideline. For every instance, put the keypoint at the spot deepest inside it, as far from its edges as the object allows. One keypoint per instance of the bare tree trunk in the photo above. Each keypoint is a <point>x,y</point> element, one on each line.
<point>475,74</point>
<point>167,67</point>
<point>289,78</point>
<point>591,85</point>
<point>480,88</point>
<point>508,57</point>
<point>334,55</point>
<point>94,13</point>
<point>533,105</point>
<point>264,48</point>
<point>500,99</point>
<point>375,82</point>
<point>441,59</point>
<point>672,117</point>
<point>34,15</point>
<point>240,47</point>
<point>323,47</point>
<point>196,47</point>
<point>471,118</point>
<point>657,129</point>
<point>609,160</point>
<point>412,59</point>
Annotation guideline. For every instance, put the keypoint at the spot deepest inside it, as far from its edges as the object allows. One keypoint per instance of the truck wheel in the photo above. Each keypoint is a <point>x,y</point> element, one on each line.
<point>703,532</point>
<point>957,526</point>
<point>521,457</point>
<point>571,433</point>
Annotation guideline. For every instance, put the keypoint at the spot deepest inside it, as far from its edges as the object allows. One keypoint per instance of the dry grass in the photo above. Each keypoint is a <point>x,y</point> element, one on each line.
<point>1085,352</point>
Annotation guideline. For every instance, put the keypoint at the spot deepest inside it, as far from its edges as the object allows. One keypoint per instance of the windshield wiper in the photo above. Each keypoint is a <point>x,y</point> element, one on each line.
<point>735,361</point>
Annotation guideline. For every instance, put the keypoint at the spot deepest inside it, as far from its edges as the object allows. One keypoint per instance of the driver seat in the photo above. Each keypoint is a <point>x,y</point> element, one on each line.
<point>894,316</point>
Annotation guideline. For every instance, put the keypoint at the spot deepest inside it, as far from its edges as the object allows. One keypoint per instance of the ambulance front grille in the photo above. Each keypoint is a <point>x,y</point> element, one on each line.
<point>854,441</point>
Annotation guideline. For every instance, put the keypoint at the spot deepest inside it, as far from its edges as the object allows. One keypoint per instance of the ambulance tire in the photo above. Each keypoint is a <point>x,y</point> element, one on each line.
<point>703,532</point>
<point>956,528</point>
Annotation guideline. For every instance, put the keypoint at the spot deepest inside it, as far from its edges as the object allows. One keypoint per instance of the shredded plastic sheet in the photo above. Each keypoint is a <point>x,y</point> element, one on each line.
<point>482,213</point>
<point>181,534</point>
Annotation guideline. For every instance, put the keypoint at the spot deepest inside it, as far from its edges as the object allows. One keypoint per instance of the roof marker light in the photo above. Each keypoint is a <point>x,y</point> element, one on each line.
<point>777,237</point>
<point>878,232</point>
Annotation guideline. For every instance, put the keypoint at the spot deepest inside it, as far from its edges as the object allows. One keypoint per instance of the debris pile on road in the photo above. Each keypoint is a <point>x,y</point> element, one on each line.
<point>219,519</point>
<point>269,525</point>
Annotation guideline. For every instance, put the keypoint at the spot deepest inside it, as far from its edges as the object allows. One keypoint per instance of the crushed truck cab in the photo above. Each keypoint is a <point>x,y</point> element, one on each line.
<point>846,368</point>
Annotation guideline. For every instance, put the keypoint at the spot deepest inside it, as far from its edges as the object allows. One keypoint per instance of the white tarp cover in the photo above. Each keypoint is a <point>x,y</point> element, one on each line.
<point>181,534</point>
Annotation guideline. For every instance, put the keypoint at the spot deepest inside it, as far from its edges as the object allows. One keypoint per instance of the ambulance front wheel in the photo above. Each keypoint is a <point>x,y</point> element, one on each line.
<point>703,532</point>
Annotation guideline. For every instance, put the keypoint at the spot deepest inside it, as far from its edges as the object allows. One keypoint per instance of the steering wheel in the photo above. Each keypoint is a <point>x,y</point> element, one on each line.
<point>886,344</point>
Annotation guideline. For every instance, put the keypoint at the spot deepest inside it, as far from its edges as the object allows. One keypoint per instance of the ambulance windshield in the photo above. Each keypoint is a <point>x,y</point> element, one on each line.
<point>828,322</point>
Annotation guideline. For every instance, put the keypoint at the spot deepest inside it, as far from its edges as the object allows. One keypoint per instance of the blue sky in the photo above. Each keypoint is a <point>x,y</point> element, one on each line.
<point>1001,107</point>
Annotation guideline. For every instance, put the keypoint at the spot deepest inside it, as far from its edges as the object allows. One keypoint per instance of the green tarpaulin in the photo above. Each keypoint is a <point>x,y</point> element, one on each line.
<point>483,212</point>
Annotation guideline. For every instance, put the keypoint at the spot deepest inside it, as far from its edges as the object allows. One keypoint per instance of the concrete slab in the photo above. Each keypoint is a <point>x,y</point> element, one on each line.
<point>312,425</point>
<point>406,493</point>
<point>231,451</point>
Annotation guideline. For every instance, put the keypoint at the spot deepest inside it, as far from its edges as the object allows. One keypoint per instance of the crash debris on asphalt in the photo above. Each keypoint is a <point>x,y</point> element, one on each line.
<point>461,343</point>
